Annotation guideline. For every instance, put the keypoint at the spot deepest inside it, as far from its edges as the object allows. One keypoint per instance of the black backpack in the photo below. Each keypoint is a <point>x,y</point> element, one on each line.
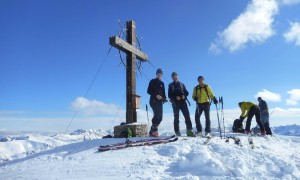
<point>238,126</point>
<point>172,86</point>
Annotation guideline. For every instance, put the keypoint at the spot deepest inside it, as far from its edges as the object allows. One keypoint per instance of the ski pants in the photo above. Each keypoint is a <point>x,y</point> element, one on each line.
<point>254,111</point>
<point>157,107</point>
<point>181,106</point>
<point>264,118</point>
<point>267,128</point>
<point>199,110</point>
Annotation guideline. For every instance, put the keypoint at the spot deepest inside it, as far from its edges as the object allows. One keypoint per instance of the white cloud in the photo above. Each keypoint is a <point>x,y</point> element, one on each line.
<point>94,107</point>
<point>294,97</point>
<point>285,113</point>
<point>254,25</point>
<point>293,33</point>
<point>268,96</point>
<point>289,2</point>
<point>214,48</point>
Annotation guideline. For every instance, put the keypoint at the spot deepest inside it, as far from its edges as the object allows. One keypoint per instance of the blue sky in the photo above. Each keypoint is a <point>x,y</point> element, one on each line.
<point>50,51</point>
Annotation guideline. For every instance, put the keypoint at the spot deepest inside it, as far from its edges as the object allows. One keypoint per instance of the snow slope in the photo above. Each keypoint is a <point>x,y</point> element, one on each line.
<point>19,146</point>
<point>76,157</point>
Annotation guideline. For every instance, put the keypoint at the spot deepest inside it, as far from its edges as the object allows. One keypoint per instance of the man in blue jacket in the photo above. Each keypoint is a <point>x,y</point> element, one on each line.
<point>177,94</point>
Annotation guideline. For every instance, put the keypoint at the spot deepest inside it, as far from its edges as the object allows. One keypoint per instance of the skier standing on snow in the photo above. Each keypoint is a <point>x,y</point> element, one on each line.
<point>177,94</point>
<point>250,109</point>
<point>156,90</point>
<point>202,94</point>
<point>264,111</point>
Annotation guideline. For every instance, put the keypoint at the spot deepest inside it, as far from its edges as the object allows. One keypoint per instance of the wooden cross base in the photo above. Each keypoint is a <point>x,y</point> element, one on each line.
<point>137,129</point>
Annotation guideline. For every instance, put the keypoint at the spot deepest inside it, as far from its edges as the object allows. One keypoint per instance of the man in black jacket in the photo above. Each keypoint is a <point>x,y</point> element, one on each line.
<point>156,90</point>
<point>264,112</point>
<point>177,94</point>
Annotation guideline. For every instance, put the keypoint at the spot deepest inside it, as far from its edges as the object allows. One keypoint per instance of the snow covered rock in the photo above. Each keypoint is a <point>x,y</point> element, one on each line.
<point>78,131</point>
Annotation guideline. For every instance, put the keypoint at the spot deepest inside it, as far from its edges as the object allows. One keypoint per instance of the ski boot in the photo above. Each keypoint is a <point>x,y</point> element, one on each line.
<point>199,133</point>
<point>190,133</point>
<point>247,132</point>
<point>207,134</point>
<point>263,133</point>
<point>178,133</point>
<point>153,133</point>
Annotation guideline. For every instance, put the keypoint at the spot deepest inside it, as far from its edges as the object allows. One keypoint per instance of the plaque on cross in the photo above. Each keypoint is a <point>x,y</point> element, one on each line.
<point>132,53</point>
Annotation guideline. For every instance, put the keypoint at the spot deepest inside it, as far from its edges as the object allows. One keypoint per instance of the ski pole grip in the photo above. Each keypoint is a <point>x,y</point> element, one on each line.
<point>146,107</point>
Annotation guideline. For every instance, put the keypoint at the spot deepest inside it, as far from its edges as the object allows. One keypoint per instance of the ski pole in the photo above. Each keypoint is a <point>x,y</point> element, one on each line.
<point>223,115</point>
<point>217,110</point>
<point>147,115</point>
<point>220,110</point>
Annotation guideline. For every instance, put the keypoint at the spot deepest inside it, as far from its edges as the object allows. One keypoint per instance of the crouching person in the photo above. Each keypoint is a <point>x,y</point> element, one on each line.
<point>249,110</point>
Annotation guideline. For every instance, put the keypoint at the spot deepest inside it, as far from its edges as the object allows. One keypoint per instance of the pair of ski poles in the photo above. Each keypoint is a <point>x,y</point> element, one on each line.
<point>222,116</point>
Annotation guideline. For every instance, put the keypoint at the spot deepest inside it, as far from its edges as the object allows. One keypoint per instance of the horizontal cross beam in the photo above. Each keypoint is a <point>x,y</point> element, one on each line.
<point>126,47</point>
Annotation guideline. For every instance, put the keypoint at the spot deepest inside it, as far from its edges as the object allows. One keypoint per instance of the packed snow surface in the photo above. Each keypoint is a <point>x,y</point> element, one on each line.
<point>66,156</point>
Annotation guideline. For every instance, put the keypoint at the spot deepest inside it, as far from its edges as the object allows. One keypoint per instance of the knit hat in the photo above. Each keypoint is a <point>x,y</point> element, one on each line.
<point>174,74</point>
<point>159,71</point>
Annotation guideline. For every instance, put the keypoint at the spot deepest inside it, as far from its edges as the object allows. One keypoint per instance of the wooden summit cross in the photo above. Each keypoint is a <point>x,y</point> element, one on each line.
<point>132,53</point>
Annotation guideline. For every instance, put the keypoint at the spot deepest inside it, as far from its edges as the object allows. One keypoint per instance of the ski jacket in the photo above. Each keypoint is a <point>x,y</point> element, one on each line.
<point>177,89</point>
<point>245,107</point>
<point>156,87</point>
<point>263,106</point>
<point>203,93</point>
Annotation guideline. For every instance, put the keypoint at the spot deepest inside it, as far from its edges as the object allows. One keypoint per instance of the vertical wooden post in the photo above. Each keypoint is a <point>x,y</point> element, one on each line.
<point>131,115</point>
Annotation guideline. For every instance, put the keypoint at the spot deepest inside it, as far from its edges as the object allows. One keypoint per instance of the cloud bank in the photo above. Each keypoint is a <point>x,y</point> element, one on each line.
<point>94,107</point>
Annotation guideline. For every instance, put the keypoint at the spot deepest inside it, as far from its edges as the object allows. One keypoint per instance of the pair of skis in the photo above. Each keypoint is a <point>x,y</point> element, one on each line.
<point>238,142</point>
<point>136,143</point>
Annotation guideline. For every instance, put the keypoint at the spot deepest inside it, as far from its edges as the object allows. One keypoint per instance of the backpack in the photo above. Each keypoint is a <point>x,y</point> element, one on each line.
<point>173,87</point>
<point>238,126</point>
<point>126,133</point>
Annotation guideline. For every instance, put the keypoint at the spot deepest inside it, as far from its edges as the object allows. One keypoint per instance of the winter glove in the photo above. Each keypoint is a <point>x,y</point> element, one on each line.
<point>195,98</point>
<point>215,100</point>
<point>158,97</point>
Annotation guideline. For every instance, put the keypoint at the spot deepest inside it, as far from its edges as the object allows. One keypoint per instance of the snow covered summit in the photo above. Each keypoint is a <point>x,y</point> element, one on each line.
<point>75,157</point>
